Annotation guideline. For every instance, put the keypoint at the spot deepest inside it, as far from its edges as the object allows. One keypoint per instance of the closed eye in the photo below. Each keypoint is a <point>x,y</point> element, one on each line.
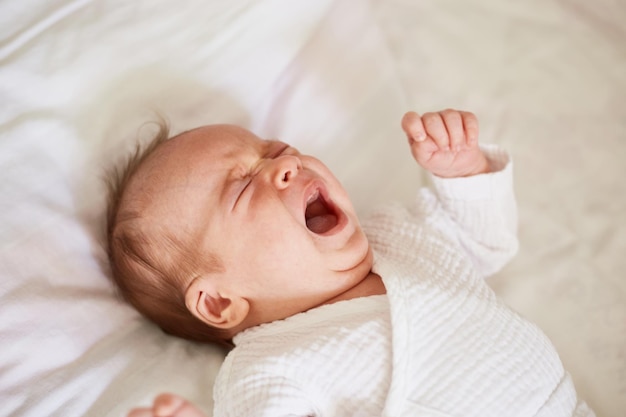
<point>278,149</point>
<point>248,181</point>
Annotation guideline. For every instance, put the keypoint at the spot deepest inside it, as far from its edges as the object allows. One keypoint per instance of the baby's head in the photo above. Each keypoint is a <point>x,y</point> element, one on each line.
<point>216,230</point>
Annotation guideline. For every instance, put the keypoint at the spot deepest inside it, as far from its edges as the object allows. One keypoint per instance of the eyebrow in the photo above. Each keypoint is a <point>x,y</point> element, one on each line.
<point>282,147</point>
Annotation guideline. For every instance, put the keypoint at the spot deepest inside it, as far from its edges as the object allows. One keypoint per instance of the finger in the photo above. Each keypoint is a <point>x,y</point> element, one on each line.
<point>423,151</point>
<point>470,124</point>
<point>188,410</point>
<point>413,127</point>
<point>140,412</point>
<point>454,125</point>
<point>433,123</point>
<point>166,405</point>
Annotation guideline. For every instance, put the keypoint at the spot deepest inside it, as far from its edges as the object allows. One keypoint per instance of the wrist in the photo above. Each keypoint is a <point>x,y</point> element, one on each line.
<point>481,166</point>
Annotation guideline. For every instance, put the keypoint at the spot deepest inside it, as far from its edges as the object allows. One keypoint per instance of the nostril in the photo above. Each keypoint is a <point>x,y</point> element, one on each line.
<point>287,168</point>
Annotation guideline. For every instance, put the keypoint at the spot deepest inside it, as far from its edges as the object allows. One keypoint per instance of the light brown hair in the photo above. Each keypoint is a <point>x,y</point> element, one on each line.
<point>150,265</point>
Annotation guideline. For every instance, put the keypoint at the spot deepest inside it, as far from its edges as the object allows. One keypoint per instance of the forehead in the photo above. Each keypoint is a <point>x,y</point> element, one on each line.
<point>191,162</point>
<point>214,142</point>
<point>198,151</point>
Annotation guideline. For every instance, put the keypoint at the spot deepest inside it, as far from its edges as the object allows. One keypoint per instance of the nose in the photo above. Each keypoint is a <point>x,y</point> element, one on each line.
<point>283,170</point>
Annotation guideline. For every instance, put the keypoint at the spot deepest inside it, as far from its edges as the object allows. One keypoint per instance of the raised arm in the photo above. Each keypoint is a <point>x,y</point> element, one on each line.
<point>473,184</point>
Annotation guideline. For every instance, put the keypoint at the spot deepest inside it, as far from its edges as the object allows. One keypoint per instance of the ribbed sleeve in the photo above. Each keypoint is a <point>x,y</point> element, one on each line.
<point>457,349</point>
<point>483,212</point>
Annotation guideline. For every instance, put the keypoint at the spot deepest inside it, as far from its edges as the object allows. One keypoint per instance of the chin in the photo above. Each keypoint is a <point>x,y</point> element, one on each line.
<point>362,258</point>
<point>368,260</point>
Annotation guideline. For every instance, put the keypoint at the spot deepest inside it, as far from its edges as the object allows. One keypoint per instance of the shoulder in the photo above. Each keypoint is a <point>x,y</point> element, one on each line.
<point>250,384</point>
<point>287,360</point>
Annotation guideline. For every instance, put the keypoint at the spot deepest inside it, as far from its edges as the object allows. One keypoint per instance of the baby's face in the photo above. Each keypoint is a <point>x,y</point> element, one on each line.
<point>281,223</point>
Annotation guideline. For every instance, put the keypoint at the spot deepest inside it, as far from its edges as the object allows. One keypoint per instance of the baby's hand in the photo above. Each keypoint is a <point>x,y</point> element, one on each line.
<point>446,143</point>
<point>168,405</point>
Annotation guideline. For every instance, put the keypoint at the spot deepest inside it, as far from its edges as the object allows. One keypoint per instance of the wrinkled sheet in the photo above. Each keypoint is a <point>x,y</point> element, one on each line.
<point>79,80</point>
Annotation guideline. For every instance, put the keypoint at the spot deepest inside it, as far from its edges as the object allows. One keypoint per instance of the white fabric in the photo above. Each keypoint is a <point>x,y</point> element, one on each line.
<point>331,361</point>
<point>456,349</point>
<point>79,78</point>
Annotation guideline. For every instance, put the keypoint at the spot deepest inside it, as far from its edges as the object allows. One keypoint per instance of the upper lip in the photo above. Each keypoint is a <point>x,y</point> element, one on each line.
<point>311,191</point>
<point>317,188</point>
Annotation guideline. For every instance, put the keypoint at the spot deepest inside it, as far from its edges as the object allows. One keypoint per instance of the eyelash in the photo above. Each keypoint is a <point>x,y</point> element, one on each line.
<point>248,182</point>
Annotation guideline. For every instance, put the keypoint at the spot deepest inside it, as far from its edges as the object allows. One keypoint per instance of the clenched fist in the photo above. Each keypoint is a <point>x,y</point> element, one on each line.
<point>445,143</point>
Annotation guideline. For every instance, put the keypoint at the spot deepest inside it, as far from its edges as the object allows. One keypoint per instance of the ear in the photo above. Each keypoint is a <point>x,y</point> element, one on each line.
<point>214,307</point>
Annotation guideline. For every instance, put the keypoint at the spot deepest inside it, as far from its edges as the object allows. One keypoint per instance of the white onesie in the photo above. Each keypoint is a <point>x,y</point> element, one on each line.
<point>440,343</point>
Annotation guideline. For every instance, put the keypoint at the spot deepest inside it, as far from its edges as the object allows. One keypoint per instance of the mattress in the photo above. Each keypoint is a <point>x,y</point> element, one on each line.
<point>81,82</point>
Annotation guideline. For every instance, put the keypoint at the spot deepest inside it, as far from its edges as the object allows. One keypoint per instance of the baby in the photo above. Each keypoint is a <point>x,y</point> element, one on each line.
<point>219,236</point>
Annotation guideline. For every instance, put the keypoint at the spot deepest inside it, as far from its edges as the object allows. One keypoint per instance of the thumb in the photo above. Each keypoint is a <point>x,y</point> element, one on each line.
<point>413,126</point>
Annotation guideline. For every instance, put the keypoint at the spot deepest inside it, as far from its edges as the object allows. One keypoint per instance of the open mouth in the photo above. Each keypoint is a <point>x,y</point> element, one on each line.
<point>320,215</point>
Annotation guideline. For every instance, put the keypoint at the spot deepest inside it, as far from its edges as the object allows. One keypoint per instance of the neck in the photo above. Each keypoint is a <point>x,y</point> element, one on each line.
<point>372,284</point>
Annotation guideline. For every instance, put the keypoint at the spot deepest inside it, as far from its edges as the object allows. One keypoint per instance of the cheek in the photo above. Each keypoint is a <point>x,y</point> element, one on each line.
<point>276,242</point>
<point>280,261</point>
<point>292,246</point>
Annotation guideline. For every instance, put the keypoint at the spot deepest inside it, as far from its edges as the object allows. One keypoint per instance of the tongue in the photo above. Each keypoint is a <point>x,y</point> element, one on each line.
<point>318,218</point>
<point>321,224</point>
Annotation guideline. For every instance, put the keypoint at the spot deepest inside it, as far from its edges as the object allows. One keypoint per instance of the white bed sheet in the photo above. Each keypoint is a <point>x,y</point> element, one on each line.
<point>79,79</point>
